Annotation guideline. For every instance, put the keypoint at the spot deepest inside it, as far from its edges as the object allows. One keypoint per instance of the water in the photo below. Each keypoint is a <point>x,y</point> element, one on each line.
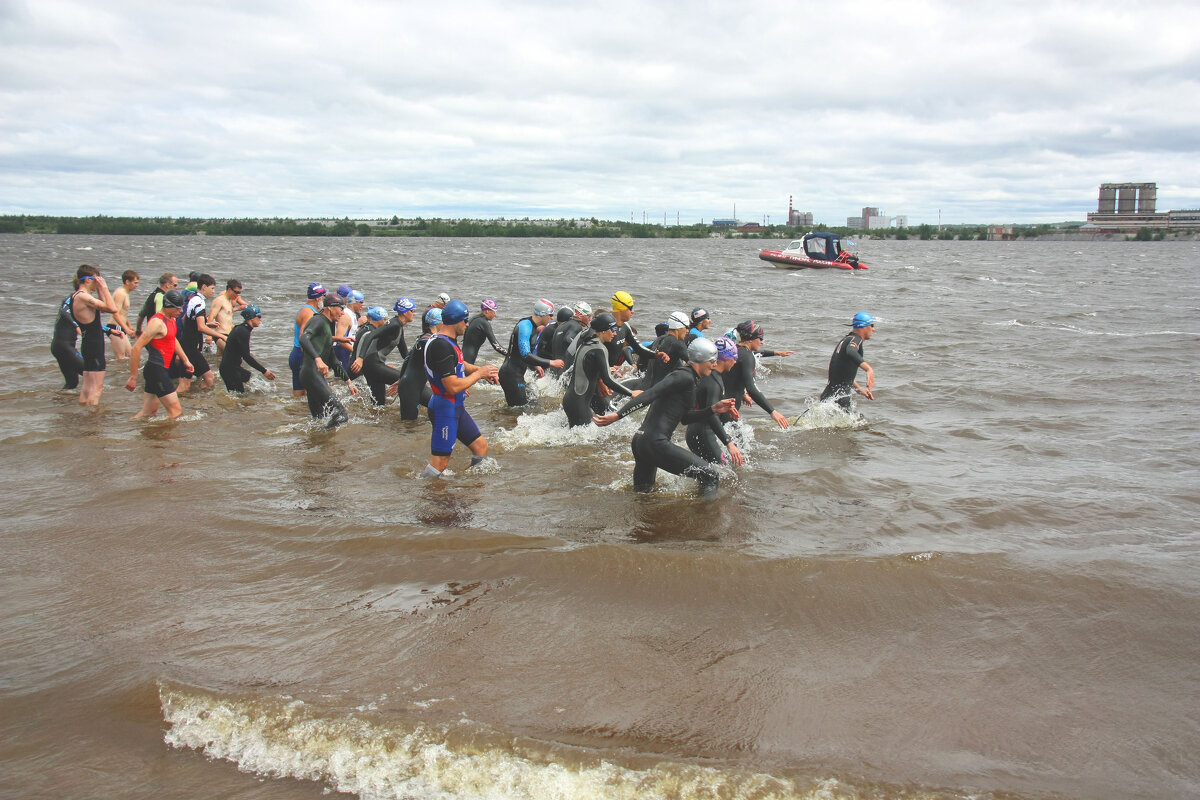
<point>987,586</point>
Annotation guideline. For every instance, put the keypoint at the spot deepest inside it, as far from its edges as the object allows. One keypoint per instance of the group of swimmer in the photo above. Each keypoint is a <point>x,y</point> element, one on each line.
<point>682,377</point>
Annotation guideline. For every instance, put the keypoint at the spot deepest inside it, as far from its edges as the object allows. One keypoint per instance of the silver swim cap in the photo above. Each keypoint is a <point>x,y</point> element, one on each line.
<point>701,350</point>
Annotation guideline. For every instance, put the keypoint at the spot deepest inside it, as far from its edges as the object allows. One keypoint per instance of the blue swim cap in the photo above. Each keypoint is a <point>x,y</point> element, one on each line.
<point>433,316</point>
<point>404,305</point>
<point>315,290</point>
<point>355,296</point>
<point>862,320</point>
<point>376,313</point>
<point>250,312</point>
<point>344,290</point>
<point>455,312</point>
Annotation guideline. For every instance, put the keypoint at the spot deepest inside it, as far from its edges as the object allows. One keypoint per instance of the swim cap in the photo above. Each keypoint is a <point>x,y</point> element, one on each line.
<point>603,322</point>
<point>173,299</point>
<point>250,312</point>
<point>726,349</point>
<point>749,330</point>
<point>701,350</point>
<point>333,301</point>
<point>862,320</point>
<point>488,304</point>
<point>455,312</point>
<point>443,298</point>
<point>344,290</point>
<point>404,305</point>
<point>315,290</point>
<point>564,314</point>
<point>433,316</point>
<point>355,296</point>
<point>582,309</point>
<point>660,329</point>
<point>622,300</point>
<point>699,315</point>
<point>542,308</point>
<point>677,320</point>
<point>376,313</point>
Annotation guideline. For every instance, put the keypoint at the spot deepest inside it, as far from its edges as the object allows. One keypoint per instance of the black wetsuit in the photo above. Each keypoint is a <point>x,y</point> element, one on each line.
<point>317,342</point>
<point>372,345</point>
<point>544,346</point>
<point>740,380</point>
<point>843,367</point>
<point>564,334</point>
<point>656,370</point>
<point>62,345</point>
<point>190,338</point>
<point>706,437</point>
<point>237,350</point>
<point>149,307</point>
<point>672,400</point>
<point>626,347</point>
<point>479,330</point>
<point>520,358</point>
<point>91,344</point>
<point>580,400</point>
<point>414,390</point>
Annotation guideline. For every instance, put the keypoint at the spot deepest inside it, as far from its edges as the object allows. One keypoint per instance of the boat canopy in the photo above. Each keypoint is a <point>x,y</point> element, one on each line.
<point>822,246</point>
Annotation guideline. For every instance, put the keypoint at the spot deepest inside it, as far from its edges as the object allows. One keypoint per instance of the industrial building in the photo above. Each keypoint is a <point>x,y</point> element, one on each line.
<point>1129,206</point>
<point>871,219</point>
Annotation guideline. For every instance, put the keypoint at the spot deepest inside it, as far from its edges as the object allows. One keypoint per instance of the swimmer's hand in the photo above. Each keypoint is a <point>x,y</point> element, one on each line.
<point>779,418</point>
<point>269,375</point>
<point>867,393</point>
<point>131,384</point>
<point>735,455</point>
<point>607,419</point>
<point>188,365</point>
<point>725,406</point>
<point>393,390</point>
<point>663,357</point>
<point>355,366</point>
<point>321,368</point>
<point>747,399</point>
<point>557,363</point>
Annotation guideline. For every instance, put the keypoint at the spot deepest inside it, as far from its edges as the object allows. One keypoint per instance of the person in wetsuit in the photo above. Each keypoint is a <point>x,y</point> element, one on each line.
<point>62,344</point>
<point>374,341</point>
<point>237,350</point>
<point>700,323</point>
<point>847,360</point>
<point>669,351</point>
<point>671,401</point>
<point>449,378</point>
<point>566,332</point>
<point>589,369</point>
<point>739,380</point>
<point>316,342</point>
<point>296,358</point>
<point>706,436</point>
<point>412,388</point>
<point>86,308</point>
<point>521,356</point>
<point>479,330</point>
<point>153,302</point>
<point>158,335</point>
<point>193,327</point>
<point>543,342</point>
<point>625,347</point>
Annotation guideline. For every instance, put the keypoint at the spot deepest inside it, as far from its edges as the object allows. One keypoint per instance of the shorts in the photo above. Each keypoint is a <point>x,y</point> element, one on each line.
<point>158,380</point>
<point>450,422</point>
<point>295,361</point>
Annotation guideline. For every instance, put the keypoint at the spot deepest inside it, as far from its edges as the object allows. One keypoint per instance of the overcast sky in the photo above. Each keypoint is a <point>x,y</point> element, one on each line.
<point>984,112</point>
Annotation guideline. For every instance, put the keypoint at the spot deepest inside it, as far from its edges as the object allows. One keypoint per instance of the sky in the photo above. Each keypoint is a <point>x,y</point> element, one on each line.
<point>678,111</point>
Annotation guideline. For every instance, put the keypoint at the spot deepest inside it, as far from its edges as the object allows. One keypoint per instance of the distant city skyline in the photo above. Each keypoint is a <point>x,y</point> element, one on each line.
<point>975,114</point>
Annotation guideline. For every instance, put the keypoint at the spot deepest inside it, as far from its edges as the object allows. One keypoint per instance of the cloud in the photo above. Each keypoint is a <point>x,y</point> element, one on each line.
<point>992,112</point>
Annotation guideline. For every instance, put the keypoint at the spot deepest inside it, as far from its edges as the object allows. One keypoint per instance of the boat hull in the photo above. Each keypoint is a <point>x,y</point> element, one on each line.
<point>784,260</point>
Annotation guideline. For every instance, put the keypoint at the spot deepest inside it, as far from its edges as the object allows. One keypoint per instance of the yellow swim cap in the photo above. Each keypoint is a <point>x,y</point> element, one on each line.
<point>622,300</point>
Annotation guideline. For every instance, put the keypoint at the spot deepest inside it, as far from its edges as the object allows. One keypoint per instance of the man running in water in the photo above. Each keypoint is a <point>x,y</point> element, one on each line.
<point>567,332</point>
<point>672,400</point>
<point>669,351</point>
<point>296,358</point>
<point>590,369</point>
<point>521,356</point>
<point>700,323</point>
<point>739,381</point>
<point>847,360</point>
<point>375,339</point>
<point>412,389</point>
<point>449,378</point>
<point>223,306</point>
<point>706,435</point>
<point>316,342</point>
<point>62,344</point>
<point>479,330</point>
<point>237,350</point>
<point>626,346</point>
<point>544,340</point>
<point>159,336</point>
<point>153,303</point>
<point>347,328</point>
<point>86,308</point>
<point>192,330</point>
<point>120,317</point>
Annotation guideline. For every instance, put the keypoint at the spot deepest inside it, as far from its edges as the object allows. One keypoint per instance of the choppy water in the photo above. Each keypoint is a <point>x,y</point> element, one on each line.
<point>987,587</point>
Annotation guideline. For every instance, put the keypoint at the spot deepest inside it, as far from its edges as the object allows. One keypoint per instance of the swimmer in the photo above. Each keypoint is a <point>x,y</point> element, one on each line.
<point>521,356</point>
<point>237,350</point>
<point>706,435</point>
<point>590,368</point>
<point>192,330</point>
<point>847,360</point>
<point>62,343</point>
<point>543,343</point>
<point>296,358</point>
<point>159,336</point>
<point>375,340</point>
<point>120,317</point>
<point>672,400</point>
<point>86,308</point>
<point>567,332</point>
<point>479,330</point>
<point>739,381</point>
<point>449,378</point>
<point>223,306</point>
<point>700,323</point>
<point>347,328</point>
<point>413,386</point>
<point>316,342</point>
<point>625,347</point>
<point>669,351</point>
